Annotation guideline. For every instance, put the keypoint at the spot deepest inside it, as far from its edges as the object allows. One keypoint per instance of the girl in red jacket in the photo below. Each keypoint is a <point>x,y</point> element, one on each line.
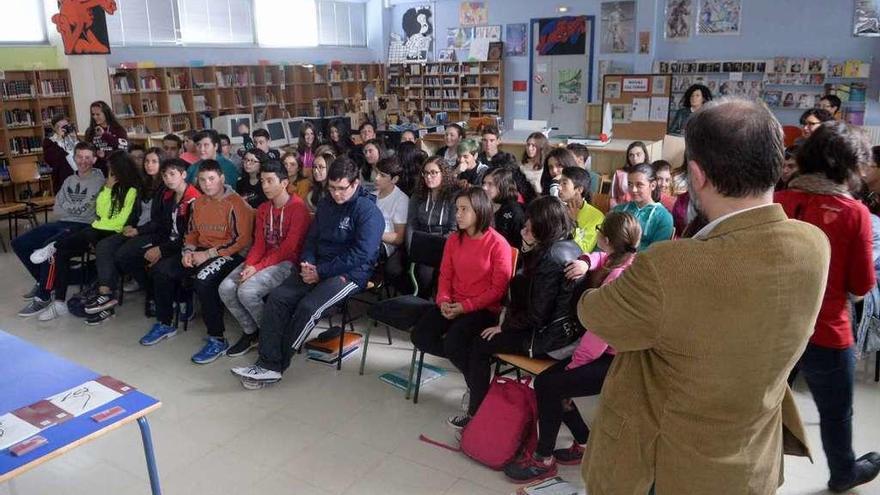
<point>474,273</point>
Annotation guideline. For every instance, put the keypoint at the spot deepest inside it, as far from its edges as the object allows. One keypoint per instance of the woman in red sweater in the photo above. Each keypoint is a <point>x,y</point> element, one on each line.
<point>474,273</point>
<point>830,161</point>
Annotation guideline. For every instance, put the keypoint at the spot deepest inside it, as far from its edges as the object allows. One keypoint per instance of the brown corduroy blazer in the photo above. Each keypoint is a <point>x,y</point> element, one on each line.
<point>707,331</point>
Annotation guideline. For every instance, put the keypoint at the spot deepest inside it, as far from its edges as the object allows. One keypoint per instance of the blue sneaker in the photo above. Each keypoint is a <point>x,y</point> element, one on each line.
<point>158,333</point>
<point>213,349</point>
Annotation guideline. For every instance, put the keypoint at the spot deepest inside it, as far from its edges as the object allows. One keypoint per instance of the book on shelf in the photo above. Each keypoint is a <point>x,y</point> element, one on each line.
<point>54,87</point>
<point>150,83</point>
<point>18,89</point>
<point>19,118</point>
<point>149,106</point>
<point>176,103</point>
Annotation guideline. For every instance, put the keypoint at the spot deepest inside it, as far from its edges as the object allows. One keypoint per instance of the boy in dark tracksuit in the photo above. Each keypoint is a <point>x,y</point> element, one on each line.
<point>339,255</point>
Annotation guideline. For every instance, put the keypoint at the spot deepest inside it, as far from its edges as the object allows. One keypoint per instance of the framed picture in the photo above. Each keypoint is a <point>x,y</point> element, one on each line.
<point>446,55</point>
<point>496,50</point>
<point>719,17</point>
<point>866,18</point>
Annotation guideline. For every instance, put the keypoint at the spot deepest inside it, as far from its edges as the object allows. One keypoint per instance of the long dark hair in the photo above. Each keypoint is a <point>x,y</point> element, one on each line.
<point>835,150</point>
<point>152,182</point>
<point>447,186</point>
<point>564,158</point>
<point>345,143</point>
<point>482,207</point>
<point>505,184</point>
<point>301,145</point>
<point>624,233</point>
<point>523,184</point>
<point>550,223</point>
<point>127,177</point>
<point>636,144</point>
<point>686,99</point>
<point>109,117</point>
<point>541,144</point>
<point>648,170</point>
<point>411,158</point>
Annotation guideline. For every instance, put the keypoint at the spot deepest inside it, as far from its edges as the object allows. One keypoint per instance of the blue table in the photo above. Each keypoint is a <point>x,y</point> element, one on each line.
<point>31,374</point>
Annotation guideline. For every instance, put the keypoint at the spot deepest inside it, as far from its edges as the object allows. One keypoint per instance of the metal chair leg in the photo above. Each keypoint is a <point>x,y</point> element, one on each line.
<point>412,372</point>
<point>419,377</point>
<point>342,335</point>
<point>364,350</point>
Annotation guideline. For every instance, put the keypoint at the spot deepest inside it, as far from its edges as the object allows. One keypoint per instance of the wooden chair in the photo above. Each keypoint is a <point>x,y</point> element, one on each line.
<point>602,202</point>
<point>521,363</point>
<point>23,175</point>
<point>12,211</point>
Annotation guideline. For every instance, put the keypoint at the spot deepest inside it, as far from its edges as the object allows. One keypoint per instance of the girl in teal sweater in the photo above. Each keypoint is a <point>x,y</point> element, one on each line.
<point>655,219</point>
<point>114,207</point>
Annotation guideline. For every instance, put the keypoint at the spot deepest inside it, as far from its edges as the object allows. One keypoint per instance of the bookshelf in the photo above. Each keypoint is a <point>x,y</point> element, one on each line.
<point>29,99</point>
<point>174,99</point>
<point>462,89</point>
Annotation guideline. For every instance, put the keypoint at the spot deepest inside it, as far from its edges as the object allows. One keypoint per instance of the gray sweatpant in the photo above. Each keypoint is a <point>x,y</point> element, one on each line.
<point>245,300</point>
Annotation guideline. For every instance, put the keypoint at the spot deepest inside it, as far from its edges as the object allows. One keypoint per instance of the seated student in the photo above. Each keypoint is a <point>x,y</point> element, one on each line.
<point>656,221</point>
<point>189,154</point>
<point>75,209</point>
<point>636,153</point>
<point>411,158</point>
<point>339,137</point>
<point>226,151</point>
<point>341,249</point>
<point>137,152</point>
<point>474,274</point>
<point>663,176</point>
<point>221,227</point>
<point>208,146</point>
<point>789,167</point>
<point>554,161</point>
<point>318,179</point>
<point>394,205</point>
<point>532,162</point>
<point>451,139</point>
<point>306,146</point>
<point>171,216</point>
<point>431,210</point>
<point>831,104</point>
<point>574,190</point>
<point>171,145</point>
<point>127,248</point>
<point>582,157</point>
<point>524,186</point>
<point>279,232</point>
<point>489,141</point>
<point>540,299</point>
<point>113,208</point>
<point>366,132</point>
<point>262,139</point>
<point>373,152</point>
<point>248,186</point>
<point>583,374</point>
<point>298,183</point>
<point>470,170</point>
<point>59,145</point>
<point>509,215</point>
<point>408,136</point>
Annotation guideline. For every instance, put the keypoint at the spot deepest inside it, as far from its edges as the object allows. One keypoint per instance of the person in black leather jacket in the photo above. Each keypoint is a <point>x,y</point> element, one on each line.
<point>539,321</point>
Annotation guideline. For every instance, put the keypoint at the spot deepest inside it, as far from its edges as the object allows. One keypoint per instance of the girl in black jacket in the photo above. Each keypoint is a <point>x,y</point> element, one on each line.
<point>509,214</point>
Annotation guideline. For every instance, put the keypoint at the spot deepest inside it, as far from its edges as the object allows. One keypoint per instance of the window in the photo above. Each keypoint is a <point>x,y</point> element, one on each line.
<point>26,23</point>
<point>143,23</point>
<point>286,23</point>
<point>342,23</point>
<point>216,21</point>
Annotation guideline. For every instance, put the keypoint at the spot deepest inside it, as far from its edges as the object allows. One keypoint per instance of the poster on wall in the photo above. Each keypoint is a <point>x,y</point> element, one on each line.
<point>418,35</point>
<point>679,20</point>
<point>562,36</point>
<point>83,26</point>
<point>570,85</point>
<point>491,33</point>
<point>515,40</point>
<point>473,14</point>
<point>458,37</point>
<point>719,17</point>
<point>866,20</point>
<point>618,27</point>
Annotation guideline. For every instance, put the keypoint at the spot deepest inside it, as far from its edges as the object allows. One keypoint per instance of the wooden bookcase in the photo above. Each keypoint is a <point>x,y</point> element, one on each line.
<point>174,99</point>
<point>462,89</point>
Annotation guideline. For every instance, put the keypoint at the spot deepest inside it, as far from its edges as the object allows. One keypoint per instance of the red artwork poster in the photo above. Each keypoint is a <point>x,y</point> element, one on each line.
<point>562,36</point>
<point>83,25</point>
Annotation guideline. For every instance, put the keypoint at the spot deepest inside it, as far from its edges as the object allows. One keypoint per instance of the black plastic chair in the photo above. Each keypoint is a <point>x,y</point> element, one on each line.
<point>403,312</point>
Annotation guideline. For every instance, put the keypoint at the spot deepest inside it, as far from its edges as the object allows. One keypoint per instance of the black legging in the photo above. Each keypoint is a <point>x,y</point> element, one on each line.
<point>73,245</point>
<point>479,361</point>
<point>556,384</point>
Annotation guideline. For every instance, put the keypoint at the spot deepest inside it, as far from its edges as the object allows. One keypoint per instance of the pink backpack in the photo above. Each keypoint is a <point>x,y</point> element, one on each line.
<point>505,425</point>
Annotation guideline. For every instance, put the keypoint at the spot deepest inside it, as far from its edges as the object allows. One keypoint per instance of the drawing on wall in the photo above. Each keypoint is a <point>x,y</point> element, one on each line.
<point>491,33</point>
<point>418,35</point>
<point>473,14</point>
<point>83,26</point>
<point>719,17</point>
<point>562,36</point>
<point>866,19</point>
<point>679,19</point>
<point>612,90</point>
<point>458,37</point>
<point>618,27</point>
<point>570,85</point>
<point>515,40</point>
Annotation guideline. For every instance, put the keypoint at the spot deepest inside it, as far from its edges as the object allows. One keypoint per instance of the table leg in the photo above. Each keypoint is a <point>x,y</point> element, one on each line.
<point>151,458</point>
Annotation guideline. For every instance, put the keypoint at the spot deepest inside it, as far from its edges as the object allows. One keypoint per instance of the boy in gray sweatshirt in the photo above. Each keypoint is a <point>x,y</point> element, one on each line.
<point>75,208</point>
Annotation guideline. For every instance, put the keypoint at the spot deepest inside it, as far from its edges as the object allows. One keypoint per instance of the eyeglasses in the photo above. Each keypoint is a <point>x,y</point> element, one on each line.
<point>430,173</point>
<point>334,189</point>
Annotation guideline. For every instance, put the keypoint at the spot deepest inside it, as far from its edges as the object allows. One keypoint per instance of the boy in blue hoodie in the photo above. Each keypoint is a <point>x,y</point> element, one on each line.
<point>340,251</point>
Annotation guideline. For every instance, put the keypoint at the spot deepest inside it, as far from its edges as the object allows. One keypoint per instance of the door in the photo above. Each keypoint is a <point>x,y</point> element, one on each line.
<point>561,75</point>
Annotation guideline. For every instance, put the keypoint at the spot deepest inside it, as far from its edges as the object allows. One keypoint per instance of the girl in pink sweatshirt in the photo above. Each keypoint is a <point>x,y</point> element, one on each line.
<point>584,373</point>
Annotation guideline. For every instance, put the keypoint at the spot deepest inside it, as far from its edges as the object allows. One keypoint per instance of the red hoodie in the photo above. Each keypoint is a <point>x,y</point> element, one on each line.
<point>475,272</point>
<point>279,233</point>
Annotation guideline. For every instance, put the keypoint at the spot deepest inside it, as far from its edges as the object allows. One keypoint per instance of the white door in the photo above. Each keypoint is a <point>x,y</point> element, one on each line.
<point>560,85</point>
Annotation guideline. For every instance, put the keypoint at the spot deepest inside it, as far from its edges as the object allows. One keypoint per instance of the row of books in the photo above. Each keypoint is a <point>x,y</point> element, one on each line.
<point>18,89</point>
<point>227,80</point>
<point>854,92</point>
<point>19,118</point>
<point>490,93</point>
<point>150,83</point>
<point>25,144</point>
<point>54,87</point>
<point>778,65</point>
<point>47,113</point>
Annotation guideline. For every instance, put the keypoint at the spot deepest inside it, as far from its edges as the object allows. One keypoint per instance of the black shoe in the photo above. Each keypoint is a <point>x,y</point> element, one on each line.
<point>98,318</point>
<point>244,344</point>
<point>99,303</point>
<point>867,468</point>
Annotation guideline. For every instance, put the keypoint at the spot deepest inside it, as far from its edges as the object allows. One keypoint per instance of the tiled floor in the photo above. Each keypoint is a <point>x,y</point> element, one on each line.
<point>317,432</point>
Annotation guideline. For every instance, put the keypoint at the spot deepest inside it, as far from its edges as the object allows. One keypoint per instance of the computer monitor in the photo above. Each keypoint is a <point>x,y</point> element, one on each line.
<point>293,127</point>
<point>278,136</point>
<point>228,124</point>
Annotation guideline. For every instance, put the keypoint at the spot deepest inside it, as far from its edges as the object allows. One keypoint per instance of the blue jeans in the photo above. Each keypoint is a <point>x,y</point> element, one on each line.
<point>830,373</point>
<point>34,239</point>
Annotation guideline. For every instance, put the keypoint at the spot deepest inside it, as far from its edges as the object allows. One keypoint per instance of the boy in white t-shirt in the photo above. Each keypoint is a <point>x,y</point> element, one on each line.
<point>394,205</point>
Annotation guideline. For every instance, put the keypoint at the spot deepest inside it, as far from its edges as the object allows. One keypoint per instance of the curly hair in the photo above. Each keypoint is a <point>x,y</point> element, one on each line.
<point>447,185</point>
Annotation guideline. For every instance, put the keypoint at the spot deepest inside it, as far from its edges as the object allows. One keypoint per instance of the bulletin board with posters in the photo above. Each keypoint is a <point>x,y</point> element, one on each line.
<point>639,104</point>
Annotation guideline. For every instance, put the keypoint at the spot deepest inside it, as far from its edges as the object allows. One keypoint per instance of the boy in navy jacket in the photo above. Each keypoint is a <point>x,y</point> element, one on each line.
<point>340,251</point>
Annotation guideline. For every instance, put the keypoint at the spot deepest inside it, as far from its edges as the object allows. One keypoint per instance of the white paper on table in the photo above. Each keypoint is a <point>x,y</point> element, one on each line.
<point>659,109</point>
<point>641,109</point>
<point>84,398</point>
<point>14,429</point>
<point>736,76</point>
